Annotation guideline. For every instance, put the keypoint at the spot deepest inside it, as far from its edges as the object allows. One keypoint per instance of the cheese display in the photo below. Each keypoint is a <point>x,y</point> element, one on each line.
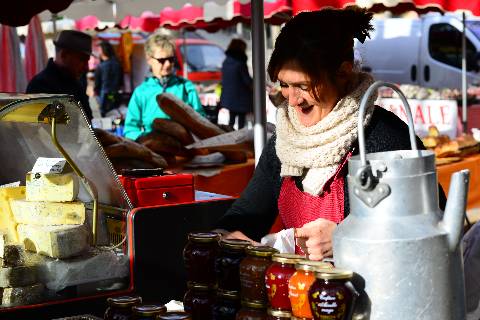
<point>52,187</point>
<point>54,241</point>
<point>7,223</point>
<point>18,276</point>
<point>47,213</point>
<point>22,295</point>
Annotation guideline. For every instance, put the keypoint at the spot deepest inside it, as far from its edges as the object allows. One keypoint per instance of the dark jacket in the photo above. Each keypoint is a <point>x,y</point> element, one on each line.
<point>55,79</point>
<point>256,209</point>
<point>108,77</point>
<point>237,85</point>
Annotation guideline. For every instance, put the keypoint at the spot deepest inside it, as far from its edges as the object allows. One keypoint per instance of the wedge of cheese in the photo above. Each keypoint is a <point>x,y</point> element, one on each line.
<point>47,213</point>
<point>8,226</point>
<point>54,241</point>
<point>52,187</point>
<point>22,295</point>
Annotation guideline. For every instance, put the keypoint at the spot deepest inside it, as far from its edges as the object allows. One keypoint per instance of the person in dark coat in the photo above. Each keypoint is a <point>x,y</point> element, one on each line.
<point>62,74</point>
<point>237,85</point>
<point>300,178</point>
<point>108,79</point>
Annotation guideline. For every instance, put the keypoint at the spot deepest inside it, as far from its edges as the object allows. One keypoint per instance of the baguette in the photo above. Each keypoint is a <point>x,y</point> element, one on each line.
<point>163,143</point>
<point>130,149</point>
<point>173,129</point>
<point>106,138</point>
<point>189,118</point>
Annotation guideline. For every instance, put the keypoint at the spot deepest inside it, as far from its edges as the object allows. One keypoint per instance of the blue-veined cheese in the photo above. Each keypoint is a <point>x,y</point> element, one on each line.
<point>47,213</point>
<point>22,295</point>
<point>19,276</point>
<point>54,241</point>
<point>7,223</point>
<point>52,187</point>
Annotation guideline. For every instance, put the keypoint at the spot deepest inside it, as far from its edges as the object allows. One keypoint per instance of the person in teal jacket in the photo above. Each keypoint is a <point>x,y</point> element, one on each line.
<point>143,107</point>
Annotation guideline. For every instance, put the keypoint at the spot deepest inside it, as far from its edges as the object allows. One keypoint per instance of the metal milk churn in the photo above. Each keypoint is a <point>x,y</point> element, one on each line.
<point>397,241</point>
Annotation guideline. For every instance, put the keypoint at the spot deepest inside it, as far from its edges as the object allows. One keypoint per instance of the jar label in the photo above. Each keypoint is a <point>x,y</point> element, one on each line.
<point>329,305</point>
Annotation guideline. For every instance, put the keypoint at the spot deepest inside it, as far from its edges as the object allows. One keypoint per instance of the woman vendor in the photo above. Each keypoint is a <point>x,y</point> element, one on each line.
<point>301,172</point>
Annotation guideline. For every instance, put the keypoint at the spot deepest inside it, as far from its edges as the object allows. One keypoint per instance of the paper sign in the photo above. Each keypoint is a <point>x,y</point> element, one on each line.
<point>49,165</point>
<point>11,185</point>
<point>441,113</point>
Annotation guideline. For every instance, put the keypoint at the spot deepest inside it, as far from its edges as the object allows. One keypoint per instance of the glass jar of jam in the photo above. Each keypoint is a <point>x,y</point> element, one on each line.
<point>148,312</point>
<point>199,300</point>
<point>120,308</point>
<point>227,305</point>
<point>330,296</point>
<point>232,252</point>
<point>300,283</point>
<point>252,311</point>
<point>252,273</point>
<point>279,315</point>
<point>199,256</point>
<point>276,279</point>
<point>175,315</point>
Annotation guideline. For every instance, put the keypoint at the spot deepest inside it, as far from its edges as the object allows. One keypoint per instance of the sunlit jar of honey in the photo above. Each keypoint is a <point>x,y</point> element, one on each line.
<point>276,280</point>
<point>300,283</point>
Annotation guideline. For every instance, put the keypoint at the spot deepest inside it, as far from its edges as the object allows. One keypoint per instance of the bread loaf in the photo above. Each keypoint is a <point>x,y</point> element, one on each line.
<point>163,143</point>
<point>173,129</point>
<point>130,149</point>
<point>189,118</point>
<point>106,138</point>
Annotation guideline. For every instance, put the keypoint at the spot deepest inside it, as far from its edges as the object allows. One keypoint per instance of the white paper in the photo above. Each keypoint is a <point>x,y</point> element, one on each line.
<point>11,184</point>
<point>49,165</point>
<point>229,138</point>
<point>283,241</point>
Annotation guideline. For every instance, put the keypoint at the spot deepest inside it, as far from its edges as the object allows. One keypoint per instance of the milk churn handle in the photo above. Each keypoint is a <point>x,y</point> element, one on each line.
<point>361,116</point>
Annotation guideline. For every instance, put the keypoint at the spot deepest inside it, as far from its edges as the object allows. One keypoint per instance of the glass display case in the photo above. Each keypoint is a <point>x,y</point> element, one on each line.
<point>62,235</point>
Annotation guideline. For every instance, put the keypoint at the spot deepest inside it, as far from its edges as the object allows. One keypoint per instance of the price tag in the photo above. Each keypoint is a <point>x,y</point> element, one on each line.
<point>49,165</point>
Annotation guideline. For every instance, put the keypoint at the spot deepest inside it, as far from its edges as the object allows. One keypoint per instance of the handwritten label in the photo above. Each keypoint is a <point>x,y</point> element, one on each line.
<point>49,165</point>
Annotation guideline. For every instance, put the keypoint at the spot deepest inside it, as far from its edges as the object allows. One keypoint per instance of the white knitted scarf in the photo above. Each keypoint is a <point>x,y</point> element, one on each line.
<point>321,147</point>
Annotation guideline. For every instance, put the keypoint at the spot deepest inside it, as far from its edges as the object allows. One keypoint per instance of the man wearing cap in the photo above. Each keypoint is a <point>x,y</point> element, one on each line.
<point>62,74</point>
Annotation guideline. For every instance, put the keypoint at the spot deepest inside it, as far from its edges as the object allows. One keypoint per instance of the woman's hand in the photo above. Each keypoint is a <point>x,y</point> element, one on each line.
<point>315,238</point>
<point>241,236</point>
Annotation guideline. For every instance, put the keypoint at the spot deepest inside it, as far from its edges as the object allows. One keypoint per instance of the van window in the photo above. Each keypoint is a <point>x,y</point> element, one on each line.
<point>204,57</point>
<point>445,45</point>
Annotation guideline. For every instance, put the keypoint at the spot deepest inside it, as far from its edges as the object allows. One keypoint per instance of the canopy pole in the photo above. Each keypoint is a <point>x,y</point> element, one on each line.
<point>185,52</point>
<point>464,75</point>
<point>258,53</point>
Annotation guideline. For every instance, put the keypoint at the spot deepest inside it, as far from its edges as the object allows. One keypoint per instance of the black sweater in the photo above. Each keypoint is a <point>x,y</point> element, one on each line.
<point>256,209</point>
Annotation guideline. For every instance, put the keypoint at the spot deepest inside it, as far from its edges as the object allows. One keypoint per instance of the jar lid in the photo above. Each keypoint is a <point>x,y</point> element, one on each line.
<point>254,304</point>
<point>334,274</point>
<point>231,295</point>
<point>175,315</point>
<point>203,236</point>
<point>280,313</point>
<point>261,251</point>
<point>124,301</point>
<point>149,310</point>
<point>309,265</point>
<point>234,244</point>
<point>287,258</point>
<point>200,286</point>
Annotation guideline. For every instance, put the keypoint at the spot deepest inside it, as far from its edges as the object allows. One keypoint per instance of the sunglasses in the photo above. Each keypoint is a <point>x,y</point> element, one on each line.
<point>163,60</point>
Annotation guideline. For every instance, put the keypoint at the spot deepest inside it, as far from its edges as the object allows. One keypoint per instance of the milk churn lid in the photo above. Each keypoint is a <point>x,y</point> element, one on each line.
<point>334,274</point>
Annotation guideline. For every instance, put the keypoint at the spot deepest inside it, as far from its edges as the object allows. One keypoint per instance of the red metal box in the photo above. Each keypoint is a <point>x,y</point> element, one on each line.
<point>159,190</point>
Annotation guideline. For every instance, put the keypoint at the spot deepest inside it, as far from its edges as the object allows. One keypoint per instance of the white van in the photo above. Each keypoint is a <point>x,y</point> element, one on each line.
<point>426,51</point>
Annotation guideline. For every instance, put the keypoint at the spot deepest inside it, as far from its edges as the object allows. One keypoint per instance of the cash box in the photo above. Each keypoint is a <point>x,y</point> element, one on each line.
<point>145,189</point>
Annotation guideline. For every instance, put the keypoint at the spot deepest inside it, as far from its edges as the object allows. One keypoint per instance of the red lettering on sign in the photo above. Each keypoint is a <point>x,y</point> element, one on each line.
<point>419,115</point>
<point>429,112</point>
<point>443,113</point>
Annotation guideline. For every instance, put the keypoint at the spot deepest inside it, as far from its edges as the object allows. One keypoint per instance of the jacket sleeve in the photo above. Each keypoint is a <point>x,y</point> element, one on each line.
<point>98,80</point>
<point>192,98</point>
<point>133,120</point>
<point>245,76</point>
<point>256,209</point>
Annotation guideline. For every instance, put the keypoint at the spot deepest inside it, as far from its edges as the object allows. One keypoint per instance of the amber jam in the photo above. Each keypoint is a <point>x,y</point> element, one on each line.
<point>227,305</point>
<point>175,315</point>
<point>252,311</point>
<point>252,273</point>
<point>199,256</point>
<point>227,265</point>
<point>300,283</point>
<point>279,315</point>
<point>148,312</point>
<point>199,300</point>
<point>276,280</point>
<point>120,308</point>
<point>330,296</point>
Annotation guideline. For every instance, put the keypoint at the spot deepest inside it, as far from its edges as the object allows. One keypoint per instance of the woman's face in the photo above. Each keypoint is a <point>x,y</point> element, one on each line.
<point>296,88</point>
<point>161,62</point>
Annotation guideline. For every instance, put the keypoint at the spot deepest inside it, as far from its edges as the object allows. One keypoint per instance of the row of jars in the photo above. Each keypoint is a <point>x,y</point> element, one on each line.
<point>131,308</point>
<point>230,279</point>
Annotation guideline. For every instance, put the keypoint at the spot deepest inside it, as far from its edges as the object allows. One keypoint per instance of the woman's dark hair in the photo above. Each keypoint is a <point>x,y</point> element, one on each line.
<point>318,42</point>
<point>237,45</point>
<point>107,49</point>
